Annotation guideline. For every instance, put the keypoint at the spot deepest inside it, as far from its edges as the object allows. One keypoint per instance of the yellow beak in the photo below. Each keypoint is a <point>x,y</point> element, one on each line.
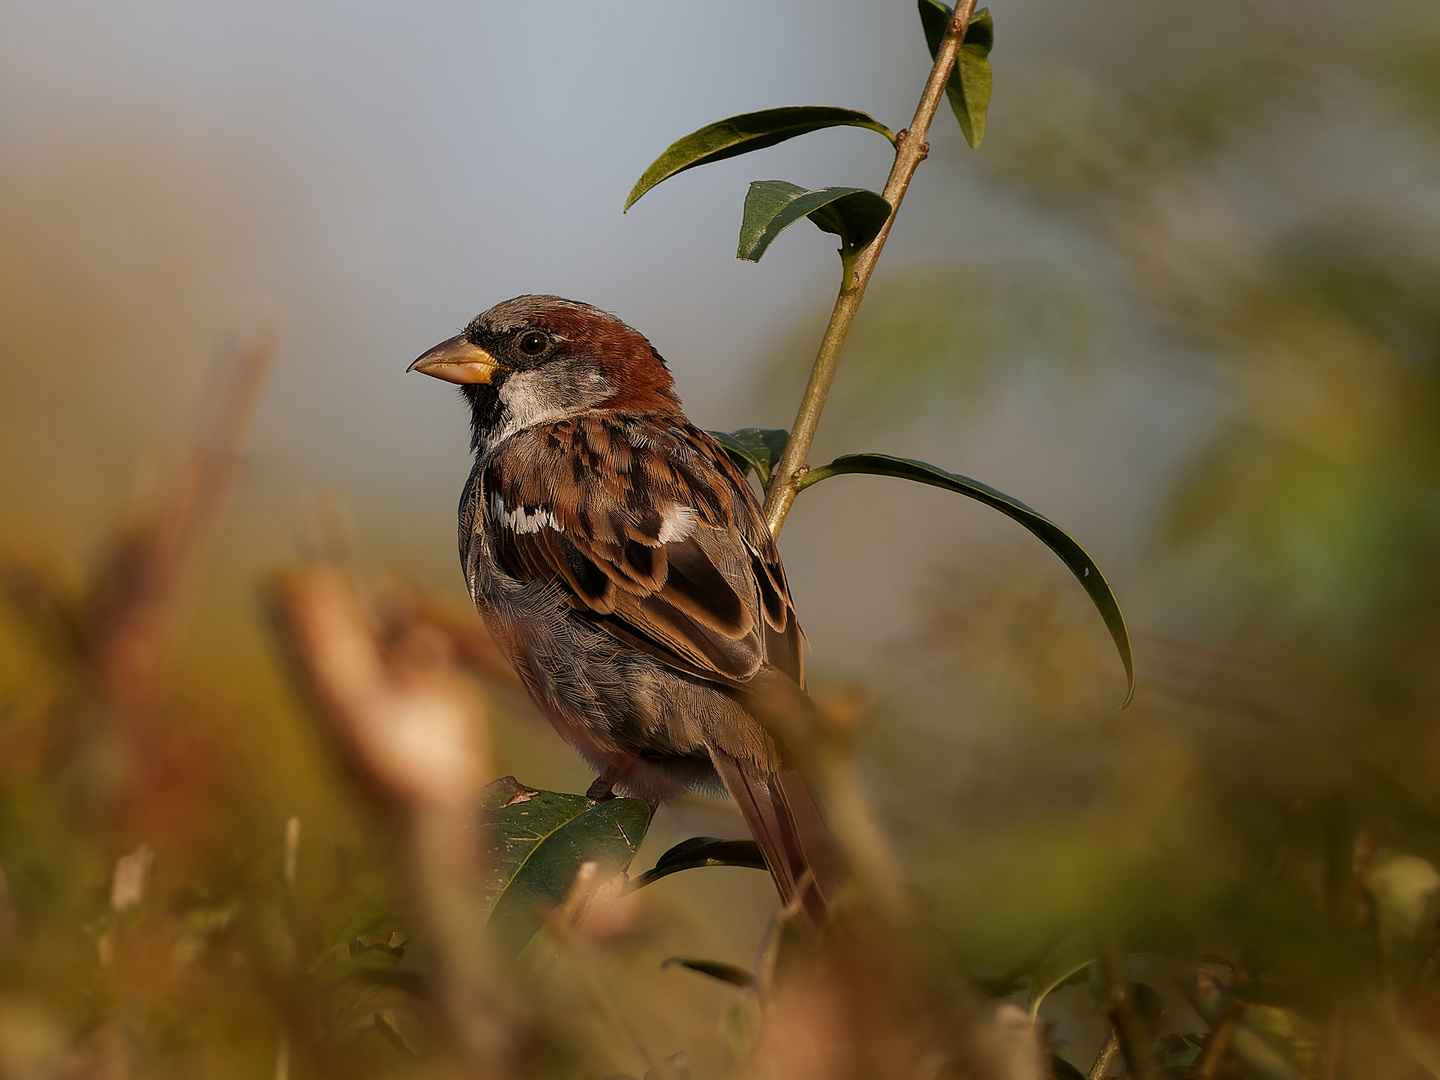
<point>457,361</point>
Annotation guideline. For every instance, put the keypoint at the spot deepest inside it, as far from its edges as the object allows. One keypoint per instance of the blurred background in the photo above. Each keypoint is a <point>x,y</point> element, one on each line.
<point>1185,300</point>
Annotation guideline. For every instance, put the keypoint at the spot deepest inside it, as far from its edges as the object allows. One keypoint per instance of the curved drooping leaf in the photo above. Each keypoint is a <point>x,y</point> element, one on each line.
<point>856,215</point>
<point>716,969</point>
<point>969,85</point>
<point>754,448</point>
<point>1071,956</point>
<point>741,134</point>
<point>534,842</point>
<point>703,851</point>
<point>1055,538</point>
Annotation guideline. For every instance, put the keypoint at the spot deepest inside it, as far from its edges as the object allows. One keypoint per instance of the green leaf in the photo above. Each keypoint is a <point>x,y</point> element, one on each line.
<point>969,85</point>
<point>1181,1049</point>
<point>716,969</point>
<point>744,133</point>
<point>754,448</point>
<point>772,206</point>
<point>535,841</point>
<point>1060,1069</point>
<point>1054,537</point>
<point>1072,955</point>
<point>703,851</point>
<point>740,1027</point>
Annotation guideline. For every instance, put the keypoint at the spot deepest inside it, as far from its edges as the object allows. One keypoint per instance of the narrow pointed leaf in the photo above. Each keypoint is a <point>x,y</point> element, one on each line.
<point>1072,955</point>
<point>1055,538</point>
<point>754,448</point>
<point>771,206</point>
<point>749,131</point>
<point>716,969</point>
<point>969,85</point>
<point>535,841</point>
<point>703,851</point>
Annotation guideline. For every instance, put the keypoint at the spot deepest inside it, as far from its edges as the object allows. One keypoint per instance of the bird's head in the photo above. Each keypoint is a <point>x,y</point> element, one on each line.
<point>539,359</point>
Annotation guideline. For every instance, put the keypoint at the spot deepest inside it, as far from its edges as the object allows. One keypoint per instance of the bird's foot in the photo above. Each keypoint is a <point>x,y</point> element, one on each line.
<point>604,786</point>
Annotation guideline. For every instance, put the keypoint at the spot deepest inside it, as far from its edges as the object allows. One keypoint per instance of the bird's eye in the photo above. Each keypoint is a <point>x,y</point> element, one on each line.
<point>533,342</point>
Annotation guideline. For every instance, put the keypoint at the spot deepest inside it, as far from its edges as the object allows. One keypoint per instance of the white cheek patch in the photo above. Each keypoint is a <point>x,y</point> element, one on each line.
<point>521,520</point>
<point>678,523</point>
<point>550,393</point>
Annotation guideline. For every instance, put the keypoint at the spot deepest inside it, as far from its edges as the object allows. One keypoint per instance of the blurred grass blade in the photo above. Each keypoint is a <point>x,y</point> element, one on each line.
<point>535,841</point>
<point>716,969</point>
<point>1055,538</point>
<point>754,448</point>
<point>1071,956</point>
<point>969,85</point>
<point>703,851</point>
<point>772,206</point>
<point>749,131</point>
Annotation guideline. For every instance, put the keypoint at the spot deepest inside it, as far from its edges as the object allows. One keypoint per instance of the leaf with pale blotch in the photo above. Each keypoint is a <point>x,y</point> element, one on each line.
<point>969,85</point>
<point>772,206</point>
<point>1051,535</point>
<point>703,851</point>
<point>754,448</point>
<point>534,842</point>
<point>741,134</point>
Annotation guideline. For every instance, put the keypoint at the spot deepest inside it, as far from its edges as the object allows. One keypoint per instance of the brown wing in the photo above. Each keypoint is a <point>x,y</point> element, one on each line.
<point>653,534</point>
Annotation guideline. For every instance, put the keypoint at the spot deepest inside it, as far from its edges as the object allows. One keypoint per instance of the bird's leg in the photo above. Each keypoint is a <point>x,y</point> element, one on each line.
<point>604,786</point>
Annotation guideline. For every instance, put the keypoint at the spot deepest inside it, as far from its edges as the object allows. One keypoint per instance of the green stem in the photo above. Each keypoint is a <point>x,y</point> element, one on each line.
<point>910,150</point>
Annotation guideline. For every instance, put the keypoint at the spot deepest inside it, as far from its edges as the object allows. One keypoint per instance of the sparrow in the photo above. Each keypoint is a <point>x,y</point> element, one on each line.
<point>620,561</point>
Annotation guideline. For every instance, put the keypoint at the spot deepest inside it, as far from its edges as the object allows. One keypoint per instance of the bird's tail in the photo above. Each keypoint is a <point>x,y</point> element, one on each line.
<point>785,821</point>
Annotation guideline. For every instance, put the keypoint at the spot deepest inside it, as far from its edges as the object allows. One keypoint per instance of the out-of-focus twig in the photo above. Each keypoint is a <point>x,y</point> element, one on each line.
<point>853,818</point>
<point>389,696</point>
<point>119,630</point>
<point>1103,1060</point>
<point>1222,1010</point>
<point>397,710</point>
<point>1130,1028</point>
<point>1218,1044</point>
<point>131,612</point>
<point>560,925</point>
<point>1335,1040</point>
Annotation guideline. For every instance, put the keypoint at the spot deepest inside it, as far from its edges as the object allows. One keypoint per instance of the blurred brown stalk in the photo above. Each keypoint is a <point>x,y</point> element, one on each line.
<point>391,697</point>
<point>119,632</point>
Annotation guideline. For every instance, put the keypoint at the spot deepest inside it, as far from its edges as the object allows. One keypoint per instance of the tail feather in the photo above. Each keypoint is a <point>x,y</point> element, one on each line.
<point>786,823</point>
<point>813,835</point>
